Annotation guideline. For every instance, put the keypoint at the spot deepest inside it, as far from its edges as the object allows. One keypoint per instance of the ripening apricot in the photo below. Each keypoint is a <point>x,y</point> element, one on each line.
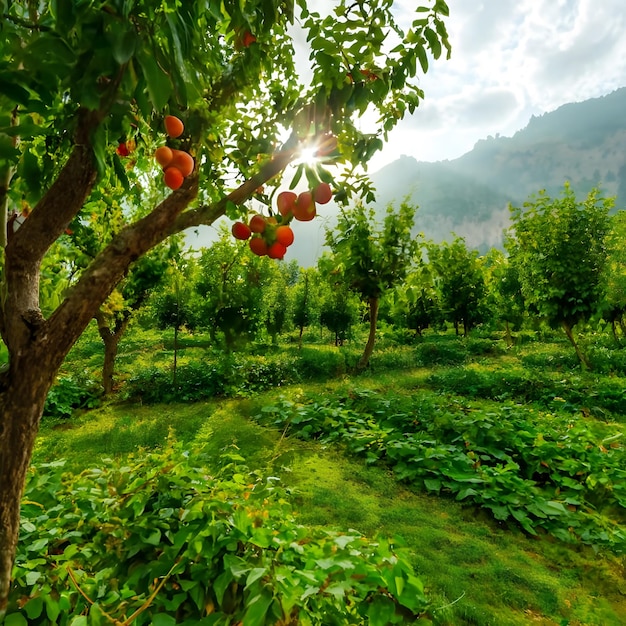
<point>304,210</point>
<point>323,193</point>
<point>173,126</point>
<point>258,245</point>
<point>183,161</point>
<point>122,149</point>
<point>241,231</point>
<point>257,224</point>
<point>276,250</point>
<point>285,201</point>
<point>163,156</point>
<point>248,39</point>
<point>173,177</point>
<point>284,235</point>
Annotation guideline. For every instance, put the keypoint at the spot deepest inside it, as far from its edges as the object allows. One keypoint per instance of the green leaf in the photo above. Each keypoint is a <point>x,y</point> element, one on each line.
<point>161,619</point>
<point>79,621</point>
<point>257,609</point>
<point>15,619</point>
<point>159,84</point>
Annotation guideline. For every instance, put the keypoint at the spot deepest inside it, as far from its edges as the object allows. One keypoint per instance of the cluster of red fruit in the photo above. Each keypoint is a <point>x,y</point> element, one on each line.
<point>272,236</point>
<point>176,164</point>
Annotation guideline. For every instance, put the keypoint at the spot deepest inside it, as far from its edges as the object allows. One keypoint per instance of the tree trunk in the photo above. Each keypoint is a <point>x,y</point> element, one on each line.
<point>584,361</point>
<point>369,346</point>
<point>111,339</point>
<point>509,339</point>
<point>300,337</point>
<point>23,392</point>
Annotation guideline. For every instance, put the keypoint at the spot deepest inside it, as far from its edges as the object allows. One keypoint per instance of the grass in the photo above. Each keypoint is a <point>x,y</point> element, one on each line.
<point>475,571</point>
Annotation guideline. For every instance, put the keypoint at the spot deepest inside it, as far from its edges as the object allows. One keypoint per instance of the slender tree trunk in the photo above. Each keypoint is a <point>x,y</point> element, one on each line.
<point>300,337</point>
<point>111,338</point>
<point>579,353</point>
<point>175,355</point>
<point>509,339</point>
<point>369,346</point>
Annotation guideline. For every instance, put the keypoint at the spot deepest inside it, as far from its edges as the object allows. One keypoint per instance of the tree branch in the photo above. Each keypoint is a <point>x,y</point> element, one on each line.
<point>111,265</point>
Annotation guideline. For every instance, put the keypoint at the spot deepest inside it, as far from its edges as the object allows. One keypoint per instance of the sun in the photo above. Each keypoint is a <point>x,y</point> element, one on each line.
<point>308,155</point>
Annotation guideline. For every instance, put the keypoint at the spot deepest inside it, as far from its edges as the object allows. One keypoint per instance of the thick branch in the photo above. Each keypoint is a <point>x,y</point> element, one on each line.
<point>111,265</point>
<point>207,214</point>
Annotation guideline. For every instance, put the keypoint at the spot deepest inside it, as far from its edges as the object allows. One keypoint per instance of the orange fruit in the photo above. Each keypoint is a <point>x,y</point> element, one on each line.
<point>257,224</point>
<point>284,235</point>
<point>183,161</point>
<point>163,156</point>
<point>173,126</point>
<point>173,177</point>
<point>276,250</point>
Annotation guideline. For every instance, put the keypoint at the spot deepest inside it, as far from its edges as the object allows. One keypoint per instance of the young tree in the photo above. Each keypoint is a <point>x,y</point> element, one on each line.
<point>86,85</point>
<point>460,283</point>
<point>372,260</point>
<point>558,246</point>
<point>306,300</point>
<point>614,303</point>
<point>505,291</point>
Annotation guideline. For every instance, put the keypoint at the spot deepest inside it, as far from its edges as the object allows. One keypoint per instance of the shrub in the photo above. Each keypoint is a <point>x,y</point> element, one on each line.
<point>70,393</point>
<point>158,540</point>
<point>450,353</point>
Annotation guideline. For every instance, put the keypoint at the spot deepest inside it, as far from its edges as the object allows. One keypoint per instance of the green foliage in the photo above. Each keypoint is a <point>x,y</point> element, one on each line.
<point>70,393</point>
<point>372,258</point>
<point>544,471</point>
<point>460,282</point>
<point>160,540</point>
<point>558,246</point>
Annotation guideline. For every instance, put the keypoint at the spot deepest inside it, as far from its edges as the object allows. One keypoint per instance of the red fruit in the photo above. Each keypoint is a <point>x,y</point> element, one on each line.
<point>285,201</point>
<point>248,39</point>
<point>122,150</point>
<point>276,250</point>
<point>163,156</point>
<point>183,161</point>
<point>257,224</point>
<point>284,235</point>
<point>323,193</point>
<point>258,245</point>
<point>173,177</point>
<point>241,231</point>
<point>304,210</point>
<point>173,126</point>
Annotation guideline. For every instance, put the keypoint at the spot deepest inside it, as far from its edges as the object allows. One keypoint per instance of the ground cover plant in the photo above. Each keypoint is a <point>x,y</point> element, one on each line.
<point>130,542</point>
<point>474,570</point>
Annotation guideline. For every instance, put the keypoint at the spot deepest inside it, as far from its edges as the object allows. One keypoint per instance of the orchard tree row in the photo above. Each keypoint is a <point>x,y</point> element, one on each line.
<point>563,264</point>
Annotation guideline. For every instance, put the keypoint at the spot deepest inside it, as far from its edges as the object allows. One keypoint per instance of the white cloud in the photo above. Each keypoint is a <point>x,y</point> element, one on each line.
<point>512,59</point>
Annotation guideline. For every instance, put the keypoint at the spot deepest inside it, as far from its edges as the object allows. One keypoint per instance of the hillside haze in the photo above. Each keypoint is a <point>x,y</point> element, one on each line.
<point>583,143</point>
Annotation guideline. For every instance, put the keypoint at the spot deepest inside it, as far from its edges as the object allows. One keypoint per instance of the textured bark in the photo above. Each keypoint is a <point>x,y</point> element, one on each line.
<point>584,361</point>
<point>111,338</point>
<point>369,346</point>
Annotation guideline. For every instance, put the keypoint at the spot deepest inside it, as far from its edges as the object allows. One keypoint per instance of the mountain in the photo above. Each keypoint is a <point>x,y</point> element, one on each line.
<point>583,143</point>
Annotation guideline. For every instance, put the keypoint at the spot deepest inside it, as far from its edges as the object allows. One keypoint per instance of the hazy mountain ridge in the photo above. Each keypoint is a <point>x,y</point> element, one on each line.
<point>583,143</point>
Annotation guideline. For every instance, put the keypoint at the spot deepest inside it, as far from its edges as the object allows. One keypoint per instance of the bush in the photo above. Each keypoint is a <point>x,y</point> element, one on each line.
<point>321,362</point>
<point>450,353</point>
<point>70,393</point>
<point>157,537</point>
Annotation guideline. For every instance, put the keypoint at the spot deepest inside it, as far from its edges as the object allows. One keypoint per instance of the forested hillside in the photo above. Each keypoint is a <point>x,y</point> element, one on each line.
<point>583,143</point>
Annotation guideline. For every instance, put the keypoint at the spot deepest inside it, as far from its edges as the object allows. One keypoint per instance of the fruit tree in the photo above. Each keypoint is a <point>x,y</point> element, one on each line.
<point>88,93</point>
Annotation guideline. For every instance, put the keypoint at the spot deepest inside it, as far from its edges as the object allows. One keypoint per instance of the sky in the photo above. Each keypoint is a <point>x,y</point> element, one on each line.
<point>511,59</point>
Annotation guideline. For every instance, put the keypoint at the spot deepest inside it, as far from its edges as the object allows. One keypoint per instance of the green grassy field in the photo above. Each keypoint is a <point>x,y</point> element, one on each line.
<point>476,570</point>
